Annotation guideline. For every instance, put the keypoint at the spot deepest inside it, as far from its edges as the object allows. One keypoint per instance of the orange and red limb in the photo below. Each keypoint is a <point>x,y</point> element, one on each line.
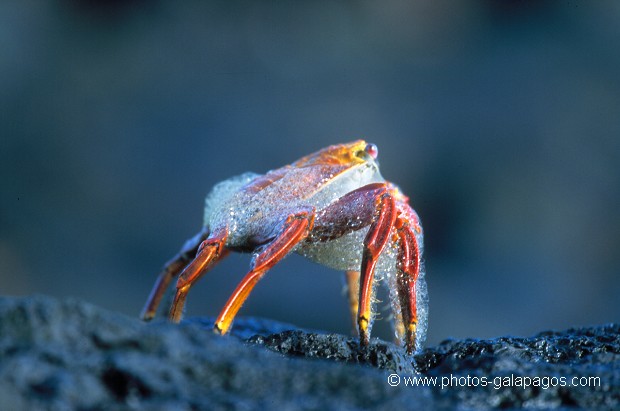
<point>295,229</point>
<point>210,251</point>
<point>372,205</point>
<point>409,258</point>
<point>374,243</point>
<point>171,269</point>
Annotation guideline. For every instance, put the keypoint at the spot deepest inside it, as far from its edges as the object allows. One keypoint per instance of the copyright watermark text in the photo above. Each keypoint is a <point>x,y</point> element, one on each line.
<point>512,380</point>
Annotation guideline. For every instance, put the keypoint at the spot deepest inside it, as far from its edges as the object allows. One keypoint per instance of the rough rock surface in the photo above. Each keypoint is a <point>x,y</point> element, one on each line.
<point>506,372</point>
<point>60,355</point>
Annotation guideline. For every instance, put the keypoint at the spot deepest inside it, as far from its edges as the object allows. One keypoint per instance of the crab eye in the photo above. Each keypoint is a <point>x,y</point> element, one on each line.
<point>372,150</point>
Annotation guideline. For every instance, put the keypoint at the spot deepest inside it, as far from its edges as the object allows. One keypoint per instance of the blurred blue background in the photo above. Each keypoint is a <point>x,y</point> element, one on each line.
<point>500,120</point>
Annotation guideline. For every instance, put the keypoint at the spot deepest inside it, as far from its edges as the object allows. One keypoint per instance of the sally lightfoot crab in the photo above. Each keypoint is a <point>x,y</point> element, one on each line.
<point>333,207</point>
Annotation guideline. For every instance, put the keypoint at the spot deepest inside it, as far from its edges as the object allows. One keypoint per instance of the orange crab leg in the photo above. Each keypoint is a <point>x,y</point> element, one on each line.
<point>296,228</point>
<point>406,282</point>
<point>171,269</point>
<point>374,243</point>
<point>353,290</point>
<point>211,250</point>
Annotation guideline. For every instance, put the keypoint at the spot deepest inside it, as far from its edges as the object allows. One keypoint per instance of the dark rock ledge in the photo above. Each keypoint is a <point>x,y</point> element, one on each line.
<point>70,355</point>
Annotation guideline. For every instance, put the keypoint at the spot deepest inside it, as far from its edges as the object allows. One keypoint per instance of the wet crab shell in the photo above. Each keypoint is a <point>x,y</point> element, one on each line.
<point>252,217</point>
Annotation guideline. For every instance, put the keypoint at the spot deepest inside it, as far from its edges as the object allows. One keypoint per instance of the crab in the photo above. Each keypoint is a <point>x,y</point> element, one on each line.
<point>333,207</point>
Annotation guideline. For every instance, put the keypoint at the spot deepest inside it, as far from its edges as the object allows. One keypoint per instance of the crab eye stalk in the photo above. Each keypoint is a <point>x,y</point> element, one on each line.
<point>372,150</point>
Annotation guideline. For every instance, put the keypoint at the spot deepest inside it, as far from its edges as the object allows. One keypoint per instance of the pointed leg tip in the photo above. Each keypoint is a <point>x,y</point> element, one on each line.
<point>146,317</point>
<point>364,341</point>
<point>411,338</point>
<point>363,331</point>
<point>175,316</point>
<point>147,314</point>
